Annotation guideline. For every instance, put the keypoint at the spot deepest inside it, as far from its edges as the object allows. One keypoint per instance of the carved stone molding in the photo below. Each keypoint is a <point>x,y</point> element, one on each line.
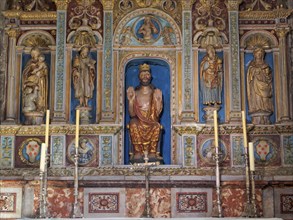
<point>59,129</point>
<point>61,4</point>
<point>31,16</point>
<point>259,15</point>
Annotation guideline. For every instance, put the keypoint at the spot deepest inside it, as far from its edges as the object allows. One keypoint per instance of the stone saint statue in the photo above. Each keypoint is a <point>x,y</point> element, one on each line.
<point>211,74</point>
<point>83,74</point>
<point>35,83</point>
<point>145,106</point>
<point>259,88</point>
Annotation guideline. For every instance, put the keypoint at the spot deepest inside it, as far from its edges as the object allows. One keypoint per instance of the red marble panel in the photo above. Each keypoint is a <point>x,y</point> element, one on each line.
<point>160,202</point>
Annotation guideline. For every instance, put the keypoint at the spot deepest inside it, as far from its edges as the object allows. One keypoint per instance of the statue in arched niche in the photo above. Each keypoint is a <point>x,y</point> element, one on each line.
<point>259,88</point>
<point>211,77</point>
<point>145,107</point>
<point>35,86</point>
<point>83,74</point>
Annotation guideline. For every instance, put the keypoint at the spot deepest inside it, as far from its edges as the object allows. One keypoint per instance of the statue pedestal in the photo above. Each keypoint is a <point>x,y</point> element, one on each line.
<point>85,114</point>
<point>260,118</point>
<point>34,118</point>
<point>209,113</point>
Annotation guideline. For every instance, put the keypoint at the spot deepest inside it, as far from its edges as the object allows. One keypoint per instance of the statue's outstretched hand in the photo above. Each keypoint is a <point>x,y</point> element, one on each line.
<point>158,95</point>
<point>130,94</point>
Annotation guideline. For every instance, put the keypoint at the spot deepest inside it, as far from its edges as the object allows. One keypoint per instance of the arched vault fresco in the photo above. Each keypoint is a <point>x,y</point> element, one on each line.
<point>168,28</point>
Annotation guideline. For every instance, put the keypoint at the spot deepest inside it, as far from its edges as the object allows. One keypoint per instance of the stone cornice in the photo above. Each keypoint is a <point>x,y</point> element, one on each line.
<point>30,16</point>
<point>266,15</point>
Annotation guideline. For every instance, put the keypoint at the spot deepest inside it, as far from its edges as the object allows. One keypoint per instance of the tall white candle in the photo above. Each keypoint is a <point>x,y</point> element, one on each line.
<point>251,156</point>
<point>43,157</point>
<point>47,128</point>
<point>77,129</point>
<point>244,128</point>
<point>216,128</point>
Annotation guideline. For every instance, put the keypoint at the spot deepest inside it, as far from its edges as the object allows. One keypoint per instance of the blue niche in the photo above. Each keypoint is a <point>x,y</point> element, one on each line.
<point>221,112</point>
<point>75,102</point>
<point>25,59</point>
<point>248,57</point>
<point>160,79</point>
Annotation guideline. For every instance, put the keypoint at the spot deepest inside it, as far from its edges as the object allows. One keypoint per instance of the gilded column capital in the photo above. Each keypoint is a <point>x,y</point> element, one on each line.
<point>61,4</point>
<point>108,4</point>
<point>233,5</point>
<point>12,32</point>
<point>186,5</point>
<point>282,32</point>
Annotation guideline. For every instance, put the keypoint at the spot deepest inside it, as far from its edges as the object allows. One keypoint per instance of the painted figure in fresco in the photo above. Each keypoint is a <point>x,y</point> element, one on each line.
<point>148,29</point>
<point>211,74</point>
<point>145,106</point>
<point>83,76</point>
<point>35,76</point>
<point>85,152</point>
<point>259,84</point>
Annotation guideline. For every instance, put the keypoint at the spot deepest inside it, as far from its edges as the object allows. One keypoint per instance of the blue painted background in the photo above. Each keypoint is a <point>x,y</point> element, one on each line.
<point>160,79</point>
<point>75,102</point>
<point>221,112</point>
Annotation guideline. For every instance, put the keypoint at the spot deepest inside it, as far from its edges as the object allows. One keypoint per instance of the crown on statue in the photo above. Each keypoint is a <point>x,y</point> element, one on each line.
<point>144,67</point>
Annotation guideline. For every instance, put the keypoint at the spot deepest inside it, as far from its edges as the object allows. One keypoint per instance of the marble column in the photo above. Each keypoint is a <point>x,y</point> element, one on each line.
<point>59,112</point>
<point>10,117</point>
<point>188,78</point>
<point>3,65</point>
<point>283,115</point>
<point>234,73</point>
<point>290,51</point>
<point>107,114</point>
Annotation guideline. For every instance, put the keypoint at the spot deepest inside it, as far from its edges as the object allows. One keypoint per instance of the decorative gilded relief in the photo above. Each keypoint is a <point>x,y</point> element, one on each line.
<point>288,150</point>
<point>85,23</point>
<point>29,152</point>
<point>57,150</point>
<point>210,18</point>
<point>33,5</point>
<point>6,151</point>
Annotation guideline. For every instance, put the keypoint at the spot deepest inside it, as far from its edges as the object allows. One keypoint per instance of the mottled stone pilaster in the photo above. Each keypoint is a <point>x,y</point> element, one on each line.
<point>107,114</point>
<point>235,85</point>
<point>187,80</point>
<point>60,71</point>
<point>2,61</point>
<point>283,116</point>
<point>10,117</point>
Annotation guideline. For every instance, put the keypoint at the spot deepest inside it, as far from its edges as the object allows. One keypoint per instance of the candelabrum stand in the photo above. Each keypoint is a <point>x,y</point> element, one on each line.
<point>253,204</point>
<point>219,204</point>
<point>146,168</point>
<point>43,190</point>
<point>248,208</point>
<point>76,206</point>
